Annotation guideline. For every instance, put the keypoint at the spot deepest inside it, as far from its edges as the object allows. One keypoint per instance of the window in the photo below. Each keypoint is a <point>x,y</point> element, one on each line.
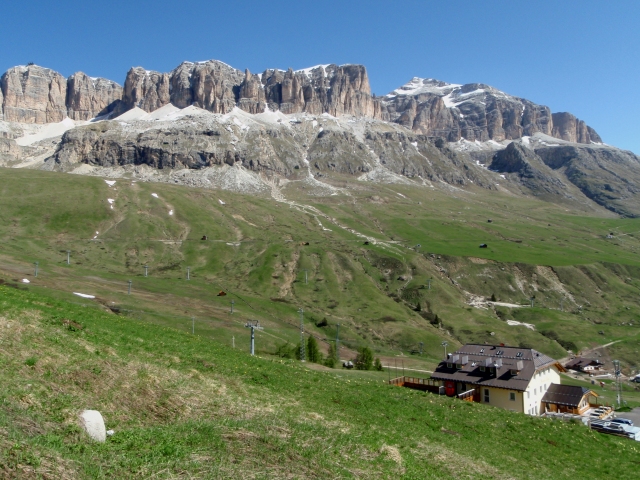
<point>528,394</point>
<point>449,365</point>
<point>535,391</point>
<point>482,369</point>
<point>486,395</point>
<point>512,396</point>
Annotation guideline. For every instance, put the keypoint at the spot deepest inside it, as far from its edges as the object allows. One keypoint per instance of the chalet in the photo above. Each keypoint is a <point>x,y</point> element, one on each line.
<point>581,364</point>
<point>508,377</point>
<point>567,399</point>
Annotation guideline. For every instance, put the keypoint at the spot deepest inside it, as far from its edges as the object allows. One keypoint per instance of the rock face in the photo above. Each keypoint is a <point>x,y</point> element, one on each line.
<point>269,147</point>
<point>91,97</point>
<point>144,89</point>
<point>477,112</point>
<point>437,109</point>
<point>33,94</point>
<point>567,127</point>
<point>531,171</point>
<point>608,176</point>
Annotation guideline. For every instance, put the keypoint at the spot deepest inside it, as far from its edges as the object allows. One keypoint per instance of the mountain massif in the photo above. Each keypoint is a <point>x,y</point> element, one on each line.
<point>192,124</point>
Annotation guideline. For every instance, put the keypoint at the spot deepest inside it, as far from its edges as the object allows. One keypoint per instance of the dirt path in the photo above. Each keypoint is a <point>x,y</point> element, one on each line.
<point>590,351</point>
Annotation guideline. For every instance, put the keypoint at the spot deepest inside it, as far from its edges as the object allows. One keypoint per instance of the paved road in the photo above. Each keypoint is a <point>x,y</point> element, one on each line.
<point>633,415</point>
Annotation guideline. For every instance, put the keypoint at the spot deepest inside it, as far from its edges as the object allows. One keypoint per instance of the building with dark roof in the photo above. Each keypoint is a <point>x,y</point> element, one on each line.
<point>581,364</point>
<point>508,377</point>
<point>567,399</point>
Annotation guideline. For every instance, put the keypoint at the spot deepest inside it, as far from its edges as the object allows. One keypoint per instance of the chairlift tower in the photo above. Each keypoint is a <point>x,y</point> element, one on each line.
<point>253,325</point>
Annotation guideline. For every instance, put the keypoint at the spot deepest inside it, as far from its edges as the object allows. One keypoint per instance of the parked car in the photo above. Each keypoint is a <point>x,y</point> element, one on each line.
<point>622,421</point>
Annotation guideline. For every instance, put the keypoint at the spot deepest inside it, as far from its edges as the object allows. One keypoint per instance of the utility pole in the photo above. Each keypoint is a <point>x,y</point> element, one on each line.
<point>444,344</point>
<point>129,291</point>
<point>253,326</point>
<point>301,335</point>
<point>306,278</point>
<point>36,264</point>
<point>532,299</point>
<point>193,325</point>
<point>421,347</point>
<point>232,302</point>
<point>68,257</point>
<point>429,288</point>
<point>146,270</point>
<point>188,273</point>
<point>233,342</point>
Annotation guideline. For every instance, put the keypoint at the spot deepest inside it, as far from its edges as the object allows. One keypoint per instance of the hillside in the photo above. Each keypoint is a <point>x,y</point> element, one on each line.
<point>183,405</point>
<point>364,268</point>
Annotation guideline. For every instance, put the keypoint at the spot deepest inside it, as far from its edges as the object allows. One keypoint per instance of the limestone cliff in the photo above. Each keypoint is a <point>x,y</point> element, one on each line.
<point>430,107</point>
<point>33,94</point>
<point>88,97</point>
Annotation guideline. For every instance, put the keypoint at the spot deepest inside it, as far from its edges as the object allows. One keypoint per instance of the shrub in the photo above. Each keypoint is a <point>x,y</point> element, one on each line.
<point>378,365</point>
<point>364,359</point>
<point>313,352</point>
<point>332,357</point>
<point>322,323</point>
<point>286,350</point>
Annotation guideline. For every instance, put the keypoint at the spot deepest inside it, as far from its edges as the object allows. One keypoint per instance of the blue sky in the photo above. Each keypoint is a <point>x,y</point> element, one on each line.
<point>576,56</point>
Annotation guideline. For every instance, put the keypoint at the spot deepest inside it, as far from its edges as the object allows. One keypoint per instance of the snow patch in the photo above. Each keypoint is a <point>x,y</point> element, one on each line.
<point>170,212</point>
<point>155,195</point>
<point>221,202</point>
<point>84,295</point>
<point>24,280</point>
<point>111,183</point>
<point>530,326</point>
<point>48,130</point>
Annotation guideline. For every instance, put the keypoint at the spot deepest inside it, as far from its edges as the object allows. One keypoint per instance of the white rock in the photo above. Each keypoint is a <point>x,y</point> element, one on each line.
<point>24,280</point>
<point>93,424</point>
<point>110,432</point>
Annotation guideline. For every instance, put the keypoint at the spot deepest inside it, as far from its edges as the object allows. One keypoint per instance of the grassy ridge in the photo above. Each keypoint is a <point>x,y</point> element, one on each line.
<point>182,405</point>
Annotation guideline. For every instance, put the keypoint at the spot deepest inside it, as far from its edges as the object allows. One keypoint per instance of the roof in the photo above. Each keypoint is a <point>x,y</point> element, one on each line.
<point>504,367</point>
<point>570,395</point>
<point>581,362</point>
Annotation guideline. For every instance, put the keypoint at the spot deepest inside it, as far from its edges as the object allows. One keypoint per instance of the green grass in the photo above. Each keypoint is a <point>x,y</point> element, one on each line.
<point>184,405</point>
<point>255,252</point>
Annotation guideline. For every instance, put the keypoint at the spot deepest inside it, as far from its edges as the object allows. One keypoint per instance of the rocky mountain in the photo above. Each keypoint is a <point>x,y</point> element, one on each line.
<point>32,94</point>
<point>477,112</point>
<point>211,125</point>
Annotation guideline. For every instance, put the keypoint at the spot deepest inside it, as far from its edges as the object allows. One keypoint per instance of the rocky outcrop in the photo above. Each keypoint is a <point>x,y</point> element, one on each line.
<point>144,89</point>
<point>88,97</point>
<point>33,94</point>
<point>251,95</point>
<point>218,88</point>
<point>608,176</point>
<point>567,127</point>
<point>477,112</point>
<point>529,169</point>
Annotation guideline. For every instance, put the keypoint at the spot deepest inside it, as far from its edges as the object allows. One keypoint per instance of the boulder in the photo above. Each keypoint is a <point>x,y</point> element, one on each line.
<point>93,424</point>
